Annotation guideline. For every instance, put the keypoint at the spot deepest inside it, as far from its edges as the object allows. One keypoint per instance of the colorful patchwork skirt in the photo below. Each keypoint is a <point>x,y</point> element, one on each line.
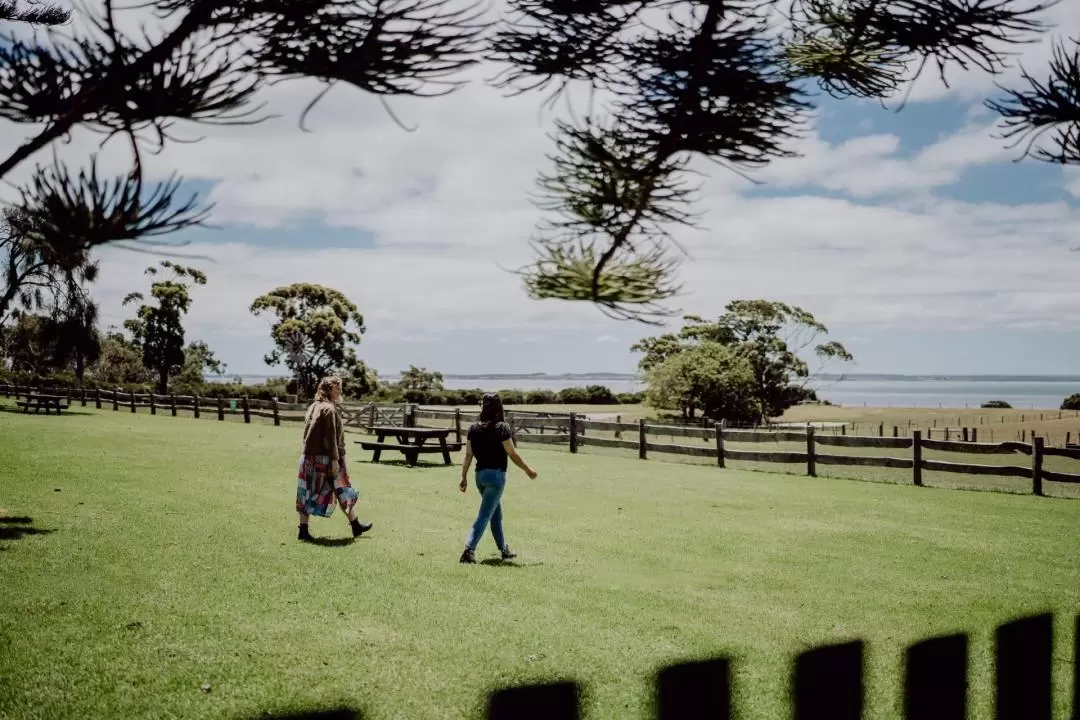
<point>317,491</point>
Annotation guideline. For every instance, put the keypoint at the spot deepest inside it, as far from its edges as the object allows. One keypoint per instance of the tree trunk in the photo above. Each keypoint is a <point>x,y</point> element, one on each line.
<point>163,381</point>
<point>80,369</point>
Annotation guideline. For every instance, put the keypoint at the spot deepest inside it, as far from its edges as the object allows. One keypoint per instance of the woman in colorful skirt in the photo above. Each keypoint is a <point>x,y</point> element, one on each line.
<point>490,442</point>
<point>323,477</point>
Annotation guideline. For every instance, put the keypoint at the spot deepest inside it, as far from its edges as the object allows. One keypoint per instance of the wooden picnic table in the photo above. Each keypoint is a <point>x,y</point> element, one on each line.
<point>410,442</point>
<point>41,400</point>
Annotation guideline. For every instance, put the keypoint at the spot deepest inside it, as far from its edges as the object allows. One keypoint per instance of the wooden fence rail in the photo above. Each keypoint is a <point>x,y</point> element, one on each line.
<point>575,432</point>
<point>828,683</point>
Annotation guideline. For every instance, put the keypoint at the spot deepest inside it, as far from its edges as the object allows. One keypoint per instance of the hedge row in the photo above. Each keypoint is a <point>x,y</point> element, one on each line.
<point>591,395</point>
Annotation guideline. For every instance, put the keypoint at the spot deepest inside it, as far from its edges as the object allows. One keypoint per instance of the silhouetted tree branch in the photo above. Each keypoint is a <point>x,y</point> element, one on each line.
<point>712,78</point>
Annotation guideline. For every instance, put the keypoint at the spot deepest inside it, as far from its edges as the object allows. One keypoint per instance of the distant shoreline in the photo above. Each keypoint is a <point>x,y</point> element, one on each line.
<point>629,377</point>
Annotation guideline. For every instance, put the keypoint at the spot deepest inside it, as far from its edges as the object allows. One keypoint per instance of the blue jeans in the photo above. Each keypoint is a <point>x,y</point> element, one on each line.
<point>491,484</point>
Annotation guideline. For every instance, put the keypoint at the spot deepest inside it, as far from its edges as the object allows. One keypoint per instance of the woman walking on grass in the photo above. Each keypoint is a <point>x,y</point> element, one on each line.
<point>491,442</point>
<point>322,475</point>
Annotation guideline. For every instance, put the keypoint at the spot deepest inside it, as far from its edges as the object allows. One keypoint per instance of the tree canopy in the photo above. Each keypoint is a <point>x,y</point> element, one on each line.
<point>158,329</point>
<point>771,337</point>
<point>315,331</point>
<point>709,377</point>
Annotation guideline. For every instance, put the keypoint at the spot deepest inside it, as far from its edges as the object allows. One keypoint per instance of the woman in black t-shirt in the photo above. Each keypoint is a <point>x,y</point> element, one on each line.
<point>491,442</point>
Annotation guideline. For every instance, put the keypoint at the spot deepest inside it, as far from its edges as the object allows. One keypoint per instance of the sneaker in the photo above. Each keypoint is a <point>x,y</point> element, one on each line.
<point>469,556</point>
<point>359,528</point>
<point>508,554</point>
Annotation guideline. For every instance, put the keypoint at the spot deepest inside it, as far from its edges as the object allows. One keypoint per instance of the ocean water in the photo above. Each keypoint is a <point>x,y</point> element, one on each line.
<point>1042,394</point>
<point>897,392</point>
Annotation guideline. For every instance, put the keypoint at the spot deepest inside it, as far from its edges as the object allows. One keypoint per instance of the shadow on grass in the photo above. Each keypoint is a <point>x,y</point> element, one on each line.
<point>13,410</point>
<point>342,714</point>
<point>499,562</point>
<point>403,463</point>
<point>14,528</point>
<point>332,542</point>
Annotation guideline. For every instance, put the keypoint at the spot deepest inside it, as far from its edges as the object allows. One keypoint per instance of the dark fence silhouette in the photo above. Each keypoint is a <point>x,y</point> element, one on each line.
<point>827,683</point>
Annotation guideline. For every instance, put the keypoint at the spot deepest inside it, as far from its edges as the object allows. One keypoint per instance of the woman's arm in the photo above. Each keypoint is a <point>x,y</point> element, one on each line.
<point>512,453</point>
<point>464,484</point>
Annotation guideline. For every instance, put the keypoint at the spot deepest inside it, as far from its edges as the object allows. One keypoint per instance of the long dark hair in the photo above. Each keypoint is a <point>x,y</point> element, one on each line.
<point>491,410</point>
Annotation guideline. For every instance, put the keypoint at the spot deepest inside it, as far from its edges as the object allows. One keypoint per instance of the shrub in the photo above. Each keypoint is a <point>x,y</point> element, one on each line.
<point>512,397</point>
<point>541,397</point>
<point>997,405</point>
<point>600,395</point>
<point>1072,402</point>
<point>633,398</point>
<point>573,396</point>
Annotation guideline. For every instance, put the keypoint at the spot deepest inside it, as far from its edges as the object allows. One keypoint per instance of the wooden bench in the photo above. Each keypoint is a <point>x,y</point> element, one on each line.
<point>410,443</point>
<point>49,402</point>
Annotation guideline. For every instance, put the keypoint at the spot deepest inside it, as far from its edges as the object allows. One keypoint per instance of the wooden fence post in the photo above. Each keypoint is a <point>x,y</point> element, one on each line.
<point>457,424</point>
<point>116,400</point>
<point>573,432</point>
<point>97,398</point>
<point>83,396</point>
<point>220,408</point>
<point>916,455</point>
<point>946,434</point>
<point>843,429</point>
<point>974,434</point>
<point>895,431</point>
<point>371,417</point>
<point>133,401</point>
<point>618,432</point>
<point>247,408</point>
<point>153,404</point>
<point>1036,465</point>
<point>811,452</point>
<point>719,428</point>
<point>172,403</point>
<point>881,430</point>
<point>195,405</point>
<point>1068,438</point>
<point>641,453</point>
<point>965,435</point>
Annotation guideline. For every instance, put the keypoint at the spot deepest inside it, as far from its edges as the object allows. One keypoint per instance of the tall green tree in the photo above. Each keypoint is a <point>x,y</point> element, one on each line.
<point>773,337</point>
<point>315,330</point>
<point>708,377</point>
<point>199,360</point>
<point>76,340</point>
<point>35,267</point>
<point>158,326</point>
<point>120,363</point>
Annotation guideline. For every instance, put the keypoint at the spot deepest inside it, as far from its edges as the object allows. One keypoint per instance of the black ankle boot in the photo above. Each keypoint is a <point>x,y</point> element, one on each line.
<point>468,557</point>
<point>304,534</point>
<point>359,528</point>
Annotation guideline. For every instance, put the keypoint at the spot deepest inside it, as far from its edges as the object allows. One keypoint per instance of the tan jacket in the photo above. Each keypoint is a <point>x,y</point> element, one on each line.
<point>324,433</point>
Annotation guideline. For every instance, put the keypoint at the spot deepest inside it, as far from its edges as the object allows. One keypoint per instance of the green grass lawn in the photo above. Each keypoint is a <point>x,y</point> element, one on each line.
<point>161,555</point>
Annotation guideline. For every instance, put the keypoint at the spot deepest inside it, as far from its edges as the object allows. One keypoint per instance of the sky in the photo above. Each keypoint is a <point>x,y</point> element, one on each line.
<point>912,233</point>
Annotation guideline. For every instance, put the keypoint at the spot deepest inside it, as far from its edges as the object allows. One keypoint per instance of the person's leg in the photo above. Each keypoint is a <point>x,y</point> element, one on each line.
<point>490,493</point>
<point>347,498</point>
<point>498,478</point>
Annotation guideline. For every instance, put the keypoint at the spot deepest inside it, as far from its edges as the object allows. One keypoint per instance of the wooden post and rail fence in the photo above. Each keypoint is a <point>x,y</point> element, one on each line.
<point>573,432</point>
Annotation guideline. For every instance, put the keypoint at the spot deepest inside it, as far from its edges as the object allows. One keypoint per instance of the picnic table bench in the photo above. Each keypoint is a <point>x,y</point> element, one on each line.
<point>39,401</point>
<point>410,442</point>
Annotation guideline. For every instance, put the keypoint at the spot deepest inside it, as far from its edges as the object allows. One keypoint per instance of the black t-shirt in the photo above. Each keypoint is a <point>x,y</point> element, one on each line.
<point>487,445</point>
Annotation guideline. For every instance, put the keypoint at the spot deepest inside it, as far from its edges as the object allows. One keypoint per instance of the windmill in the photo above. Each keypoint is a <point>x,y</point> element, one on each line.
<point>300,350</point>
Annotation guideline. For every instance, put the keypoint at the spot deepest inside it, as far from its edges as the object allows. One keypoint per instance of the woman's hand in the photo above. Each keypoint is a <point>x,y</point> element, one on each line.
<point>464,484</point>
<point>531,473</point>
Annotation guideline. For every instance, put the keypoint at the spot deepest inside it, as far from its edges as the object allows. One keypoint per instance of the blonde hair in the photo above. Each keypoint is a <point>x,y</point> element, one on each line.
<point>325,390</point>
